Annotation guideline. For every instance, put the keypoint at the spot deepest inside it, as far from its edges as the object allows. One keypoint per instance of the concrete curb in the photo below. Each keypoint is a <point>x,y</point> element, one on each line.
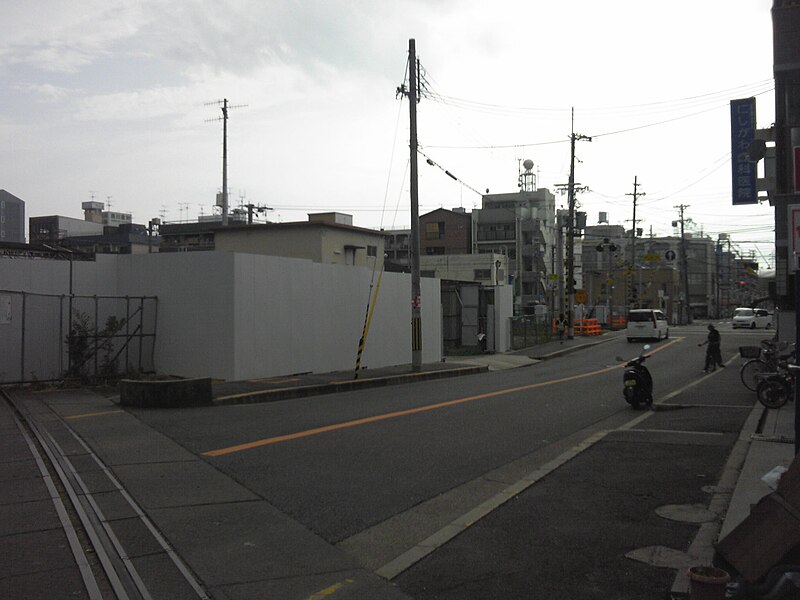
<point>342,386</point>
<point>570,349</point>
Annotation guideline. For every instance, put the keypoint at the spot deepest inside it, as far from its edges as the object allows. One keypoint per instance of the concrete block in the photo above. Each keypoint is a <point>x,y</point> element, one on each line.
<point>176,393</point>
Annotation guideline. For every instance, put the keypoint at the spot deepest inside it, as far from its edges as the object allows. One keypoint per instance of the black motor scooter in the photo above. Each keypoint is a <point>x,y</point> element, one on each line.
<point>637,380</point>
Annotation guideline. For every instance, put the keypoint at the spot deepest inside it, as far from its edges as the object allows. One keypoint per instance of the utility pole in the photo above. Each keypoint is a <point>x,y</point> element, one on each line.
<point>253,208</point>
<point>636,195</point>
<point>223,104</point>
<point>685,305</point>
<point>571,230</point>
<point>416,309</point>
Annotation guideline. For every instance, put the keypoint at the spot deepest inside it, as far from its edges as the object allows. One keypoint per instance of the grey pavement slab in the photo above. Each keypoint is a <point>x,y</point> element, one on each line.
<point>18,469</point>
<point>13,447</point>
<point>345,585</point>
<point>121,439</point>
<point>135,537</point>
<point>163,580</point>
<point>29,516</point>
<point>23,490</point>
<point>41,586</point>
<point>35,552</point>
<point>246,541</point>
<point>164,485</point>
<point>114,505</point>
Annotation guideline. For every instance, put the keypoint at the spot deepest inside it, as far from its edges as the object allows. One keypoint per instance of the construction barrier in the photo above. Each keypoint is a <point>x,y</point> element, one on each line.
<point>618,323</point>
<point>587,327</point>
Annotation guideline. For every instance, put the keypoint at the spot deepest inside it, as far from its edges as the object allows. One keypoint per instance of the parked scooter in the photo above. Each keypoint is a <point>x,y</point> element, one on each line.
<point>637,381</point>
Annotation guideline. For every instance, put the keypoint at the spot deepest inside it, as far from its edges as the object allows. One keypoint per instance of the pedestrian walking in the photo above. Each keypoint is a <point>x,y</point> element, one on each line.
<point>561,327</point>
<point>713,350</point>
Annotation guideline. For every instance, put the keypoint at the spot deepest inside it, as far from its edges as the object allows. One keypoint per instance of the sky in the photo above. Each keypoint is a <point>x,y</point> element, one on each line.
<point>116,101</point>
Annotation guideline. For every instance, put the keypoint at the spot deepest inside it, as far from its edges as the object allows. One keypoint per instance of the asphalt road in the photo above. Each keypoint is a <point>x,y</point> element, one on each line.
<point>416,480</point>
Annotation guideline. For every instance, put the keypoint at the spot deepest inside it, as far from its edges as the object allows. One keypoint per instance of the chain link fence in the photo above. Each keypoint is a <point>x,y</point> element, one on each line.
<point>47,337</point>
<point>529,330</point>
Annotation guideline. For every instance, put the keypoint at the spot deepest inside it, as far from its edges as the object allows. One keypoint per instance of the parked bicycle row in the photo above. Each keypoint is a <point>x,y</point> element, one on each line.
<point>769,370</point>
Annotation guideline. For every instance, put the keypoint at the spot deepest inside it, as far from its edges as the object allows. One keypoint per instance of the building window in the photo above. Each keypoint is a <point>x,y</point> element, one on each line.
<point>434,231</point>
<point>434,250</point>
<point>372,251</point>
<point>427,274</point>
<point>483,274</point>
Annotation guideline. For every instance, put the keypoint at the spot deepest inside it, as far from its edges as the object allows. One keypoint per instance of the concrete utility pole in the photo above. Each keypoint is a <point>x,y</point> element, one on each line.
<point>224,106</point>
<point>636,195</point>
<point>571,229</point>
<point>416,309</point>
<point>685,305</point>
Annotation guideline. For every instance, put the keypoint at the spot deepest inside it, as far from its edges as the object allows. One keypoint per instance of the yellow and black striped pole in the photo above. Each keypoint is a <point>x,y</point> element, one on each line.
<point>367,320</point>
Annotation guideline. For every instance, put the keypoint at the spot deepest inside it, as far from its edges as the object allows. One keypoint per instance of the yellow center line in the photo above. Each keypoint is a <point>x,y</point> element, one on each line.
<point>95,414</point>
<point>411,411</point>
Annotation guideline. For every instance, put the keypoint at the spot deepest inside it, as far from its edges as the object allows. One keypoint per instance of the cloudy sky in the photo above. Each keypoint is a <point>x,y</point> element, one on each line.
<point>113,100</point>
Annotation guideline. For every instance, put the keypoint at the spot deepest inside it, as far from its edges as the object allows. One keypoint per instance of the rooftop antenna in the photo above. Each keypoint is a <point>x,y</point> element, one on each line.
<point>201,209</point>
<point>183,206</point>
<point>91,194</point>
<point>223,104</point>
<point>163,212</point>
<point>108,202</point>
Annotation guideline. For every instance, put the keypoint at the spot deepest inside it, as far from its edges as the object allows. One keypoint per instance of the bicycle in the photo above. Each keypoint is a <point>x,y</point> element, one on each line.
<point>755,365</point>
<point>776,389</point>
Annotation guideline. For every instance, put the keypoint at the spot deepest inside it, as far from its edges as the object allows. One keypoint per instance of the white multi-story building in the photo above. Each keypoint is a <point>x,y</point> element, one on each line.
<point>521,226</point>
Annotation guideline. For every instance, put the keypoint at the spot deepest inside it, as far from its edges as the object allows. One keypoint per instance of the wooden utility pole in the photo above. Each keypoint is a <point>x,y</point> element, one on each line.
<point>416,307</point>
<point>685,305</point>
<point>571,230</point>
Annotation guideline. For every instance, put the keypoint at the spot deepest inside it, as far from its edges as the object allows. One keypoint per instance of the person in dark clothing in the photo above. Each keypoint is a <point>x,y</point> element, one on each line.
<point>713,351</point>
<point>561,326</point>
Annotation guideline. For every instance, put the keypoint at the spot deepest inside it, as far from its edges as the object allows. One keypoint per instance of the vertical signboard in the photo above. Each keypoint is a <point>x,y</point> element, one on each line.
<point>743,131</point>
<point>796,158</point>
<point>794,234</point>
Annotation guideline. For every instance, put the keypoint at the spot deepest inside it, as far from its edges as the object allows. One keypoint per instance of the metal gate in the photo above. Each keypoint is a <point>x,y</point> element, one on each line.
<point>467,317</point>
<point>46,337</point>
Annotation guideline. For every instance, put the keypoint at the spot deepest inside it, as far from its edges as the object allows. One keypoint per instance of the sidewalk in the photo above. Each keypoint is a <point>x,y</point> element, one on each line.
<point>772,446</point>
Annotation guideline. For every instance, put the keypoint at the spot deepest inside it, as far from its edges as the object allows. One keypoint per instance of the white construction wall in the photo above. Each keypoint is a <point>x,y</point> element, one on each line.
<point>230,316</point>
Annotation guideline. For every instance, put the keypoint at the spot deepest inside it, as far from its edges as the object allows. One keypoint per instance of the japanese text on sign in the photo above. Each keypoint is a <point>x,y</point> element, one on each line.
<point>743,131</point>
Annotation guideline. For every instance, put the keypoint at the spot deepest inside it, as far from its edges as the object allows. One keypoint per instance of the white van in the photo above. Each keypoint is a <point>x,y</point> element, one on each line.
<point>647,323</point>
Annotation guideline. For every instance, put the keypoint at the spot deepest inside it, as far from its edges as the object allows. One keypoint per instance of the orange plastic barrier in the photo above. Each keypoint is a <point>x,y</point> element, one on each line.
<point>619,323</point>
<point>587,327</point>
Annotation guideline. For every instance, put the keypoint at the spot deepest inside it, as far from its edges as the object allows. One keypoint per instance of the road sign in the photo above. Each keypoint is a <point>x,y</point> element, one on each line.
<point>669,255</point>
<point>581,297</point>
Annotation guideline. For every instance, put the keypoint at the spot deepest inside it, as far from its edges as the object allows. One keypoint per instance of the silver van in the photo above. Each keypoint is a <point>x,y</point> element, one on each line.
<point>647,323</point>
